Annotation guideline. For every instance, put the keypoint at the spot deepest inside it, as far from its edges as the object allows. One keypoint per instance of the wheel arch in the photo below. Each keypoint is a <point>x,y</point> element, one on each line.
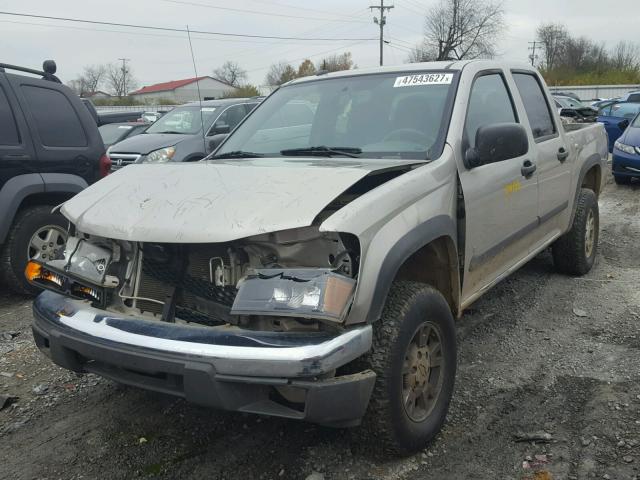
<point>590,176</point>
<point>35,189</point>
<point>426,254</point>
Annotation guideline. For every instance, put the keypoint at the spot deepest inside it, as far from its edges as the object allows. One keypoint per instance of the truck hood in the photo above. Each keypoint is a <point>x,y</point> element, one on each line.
<point>210,202</point>
<point>145,143</point>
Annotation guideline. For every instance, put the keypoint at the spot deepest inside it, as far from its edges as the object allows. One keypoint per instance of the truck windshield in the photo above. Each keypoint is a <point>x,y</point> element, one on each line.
<point>184,120</point>
<point>397,115</point>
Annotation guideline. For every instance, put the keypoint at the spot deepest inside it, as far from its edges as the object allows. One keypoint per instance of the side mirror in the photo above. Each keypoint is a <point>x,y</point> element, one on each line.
<point>623,124</point>
<point>220,128</point>
<point>497,142</point>
<point>216,140</point>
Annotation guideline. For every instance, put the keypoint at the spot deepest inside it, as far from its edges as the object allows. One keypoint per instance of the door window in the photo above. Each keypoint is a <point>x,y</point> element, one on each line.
<point>8,129</point>
<point>489,103</point>
<point>231,117</point>
<point>56,121</point>
<point>535,105</point>
<point>624,110</point>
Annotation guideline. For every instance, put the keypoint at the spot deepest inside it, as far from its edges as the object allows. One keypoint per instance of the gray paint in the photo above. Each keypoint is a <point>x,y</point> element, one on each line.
<point>63,183</point>
<point>11,196</point>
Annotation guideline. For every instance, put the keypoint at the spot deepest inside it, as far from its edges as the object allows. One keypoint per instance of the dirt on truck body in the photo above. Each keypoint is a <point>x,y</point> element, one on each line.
<point>312,268</point>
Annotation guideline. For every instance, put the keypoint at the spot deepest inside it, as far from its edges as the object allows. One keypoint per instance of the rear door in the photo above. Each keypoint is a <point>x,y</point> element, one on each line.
<point>500,200</point>
<point>551,154</point>
<point>65,136</point>
<point>16,149</point>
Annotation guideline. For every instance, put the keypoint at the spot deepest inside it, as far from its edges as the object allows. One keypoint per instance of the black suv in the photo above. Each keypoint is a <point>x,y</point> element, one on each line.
<point>50,149</point>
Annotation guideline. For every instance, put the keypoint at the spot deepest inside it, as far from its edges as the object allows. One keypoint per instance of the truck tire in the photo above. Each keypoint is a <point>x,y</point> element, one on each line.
<point>35,232</point>
<point>575,252</point>
<point>414,357</point>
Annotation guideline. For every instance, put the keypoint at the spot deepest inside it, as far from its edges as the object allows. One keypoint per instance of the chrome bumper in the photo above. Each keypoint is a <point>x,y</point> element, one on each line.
<point>229,350</point>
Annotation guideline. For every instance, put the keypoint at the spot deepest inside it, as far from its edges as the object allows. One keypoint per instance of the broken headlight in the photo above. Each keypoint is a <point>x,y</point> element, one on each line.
<point>82,273</point>
<point>307,293</point>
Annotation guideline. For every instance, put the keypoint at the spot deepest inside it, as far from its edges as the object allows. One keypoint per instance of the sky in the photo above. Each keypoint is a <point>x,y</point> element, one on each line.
<point>159,56</point>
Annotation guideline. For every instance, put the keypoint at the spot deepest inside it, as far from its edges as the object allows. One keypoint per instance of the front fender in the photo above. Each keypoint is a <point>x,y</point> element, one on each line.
<point>392,222</point>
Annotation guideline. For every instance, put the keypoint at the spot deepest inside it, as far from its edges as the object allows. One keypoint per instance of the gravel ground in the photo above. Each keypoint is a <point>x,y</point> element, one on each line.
<point>547,388</point>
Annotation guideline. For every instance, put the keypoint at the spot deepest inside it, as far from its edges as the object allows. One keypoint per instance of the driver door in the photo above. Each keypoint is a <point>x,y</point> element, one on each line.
<point>501,201</point>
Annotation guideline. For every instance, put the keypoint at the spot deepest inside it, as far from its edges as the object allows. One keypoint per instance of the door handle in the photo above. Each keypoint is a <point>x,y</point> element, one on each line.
<point>16,157</point>
<point>563,154</point>
<point>528,168</point>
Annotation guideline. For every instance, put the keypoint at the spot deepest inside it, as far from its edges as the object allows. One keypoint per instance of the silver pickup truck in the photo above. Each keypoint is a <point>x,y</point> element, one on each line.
<point>313,266</point>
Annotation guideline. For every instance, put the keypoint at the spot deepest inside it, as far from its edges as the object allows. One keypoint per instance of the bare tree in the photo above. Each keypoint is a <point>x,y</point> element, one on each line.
<point>92,77</point>
<point>553,37</point>
<point>626,56</point>
<point>231,73</point>
<point>280,73</point>
<point>336,63</point>
<point>120,79</point>
<point>421,54</point>
<point>457,29</point>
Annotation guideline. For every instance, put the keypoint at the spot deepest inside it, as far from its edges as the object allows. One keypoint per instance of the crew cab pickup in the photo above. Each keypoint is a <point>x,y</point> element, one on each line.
<point>312,267</point>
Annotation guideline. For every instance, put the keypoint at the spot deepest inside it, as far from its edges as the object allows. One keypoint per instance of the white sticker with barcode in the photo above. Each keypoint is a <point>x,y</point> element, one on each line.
<point>424,79</point>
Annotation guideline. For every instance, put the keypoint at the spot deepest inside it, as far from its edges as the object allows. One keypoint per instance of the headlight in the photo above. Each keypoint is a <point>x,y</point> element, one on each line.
<point>160,156</point>
<point>624,148</point>
<point>308,293</point>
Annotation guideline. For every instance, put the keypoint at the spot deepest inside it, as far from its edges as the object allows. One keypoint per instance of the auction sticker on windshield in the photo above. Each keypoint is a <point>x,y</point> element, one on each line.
<point>424,79</point>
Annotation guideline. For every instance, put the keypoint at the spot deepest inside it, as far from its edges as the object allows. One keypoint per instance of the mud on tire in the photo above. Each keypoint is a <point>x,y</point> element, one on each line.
<point>415,314</point>
<point>574,253</point>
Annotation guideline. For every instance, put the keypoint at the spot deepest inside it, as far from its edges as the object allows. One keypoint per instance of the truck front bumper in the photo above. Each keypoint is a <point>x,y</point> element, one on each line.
<point>223,367</point>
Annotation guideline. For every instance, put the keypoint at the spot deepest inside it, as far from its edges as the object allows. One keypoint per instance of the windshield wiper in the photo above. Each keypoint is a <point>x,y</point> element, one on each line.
<point>238,154</point>
<point>172,132</point>
<point>321,150</point>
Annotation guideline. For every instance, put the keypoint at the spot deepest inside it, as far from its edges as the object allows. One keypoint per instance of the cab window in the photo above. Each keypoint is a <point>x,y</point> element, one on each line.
<point>489,103</point>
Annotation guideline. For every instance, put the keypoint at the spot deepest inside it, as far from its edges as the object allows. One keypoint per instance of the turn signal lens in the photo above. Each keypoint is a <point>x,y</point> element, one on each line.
<point>33,270</point>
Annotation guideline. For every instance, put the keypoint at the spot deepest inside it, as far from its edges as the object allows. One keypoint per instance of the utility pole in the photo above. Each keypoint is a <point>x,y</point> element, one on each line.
<point>381,22</point>
<point>533,47</point>
<point>125,72</point>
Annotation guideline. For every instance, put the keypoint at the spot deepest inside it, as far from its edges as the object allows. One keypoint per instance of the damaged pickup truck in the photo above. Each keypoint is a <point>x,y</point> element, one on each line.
<point>313,266</point>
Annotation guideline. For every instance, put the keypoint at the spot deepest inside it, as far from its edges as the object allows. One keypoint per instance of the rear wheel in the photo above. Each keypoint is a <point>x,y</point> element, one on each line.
<point>36,233</point>
<point>574,253</point>
<point>414,357</point>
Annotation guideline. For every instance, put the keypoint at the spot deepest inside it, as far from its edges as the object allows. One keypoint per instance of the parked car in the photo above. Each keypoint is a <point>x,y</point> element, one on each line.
<point>50,149</point>
<point>616,118</point>
<point>598,104</point>
<point>626,154</point>
<point>575,109</point>
<point>105,118</point>
<point>314,270</point>
<point>633,96</point>
<point>571,95</point>
<point>115,132</point>
<point>151,117</point>
<point>177,136</point>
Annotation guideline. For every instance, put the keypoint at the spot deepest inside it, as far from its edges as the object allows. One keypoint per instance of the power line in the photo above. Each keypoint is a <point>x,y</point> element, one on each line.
<point>169,29</point>
<point>255,12</point>
<point>382,22</point>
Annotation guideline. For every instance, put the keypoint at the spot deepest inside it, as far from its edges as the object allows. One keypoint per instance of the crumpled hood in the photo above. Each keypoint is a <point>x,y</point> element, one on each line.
<point>210,202</point>
<point>145,143</point>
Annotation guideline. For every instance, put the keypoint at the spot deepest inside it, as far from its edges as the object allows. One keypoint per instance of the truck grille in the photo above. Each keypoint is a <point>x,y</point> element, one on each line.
<point>119,160</point>
<point>197,299</point>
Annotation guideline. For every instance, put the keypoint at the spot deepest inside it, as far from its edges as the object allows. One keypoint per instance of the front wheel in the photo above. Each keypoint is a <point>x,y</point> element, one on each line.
<point>35,233</point>
<point>414,357</point>
<point>574,253</point>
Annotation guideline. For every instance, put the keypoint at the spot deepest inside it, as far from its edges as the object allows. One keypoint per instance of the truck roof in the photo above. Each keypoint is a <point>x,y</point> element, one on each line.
<point>452,65</point>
